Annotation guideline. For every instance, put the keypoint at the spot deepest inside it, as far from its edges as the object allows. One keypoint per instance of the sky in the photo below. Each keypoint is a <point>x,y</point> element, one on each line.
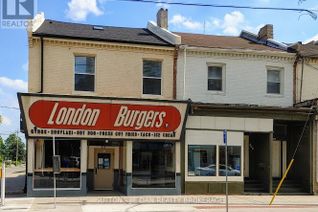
<point>289,27</point>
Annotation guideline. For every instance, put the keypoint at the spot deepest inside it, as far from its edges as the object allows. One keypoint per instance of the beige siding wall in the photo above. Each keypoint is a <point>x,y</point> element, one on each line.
<point>310,85</point>
<point>118,71</point>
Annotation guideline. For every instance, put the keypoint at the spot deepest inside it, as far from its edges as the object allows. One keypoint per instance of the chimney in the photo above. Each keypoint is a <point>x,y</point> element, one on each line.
<point>162,18</point>
<point>266,32</point>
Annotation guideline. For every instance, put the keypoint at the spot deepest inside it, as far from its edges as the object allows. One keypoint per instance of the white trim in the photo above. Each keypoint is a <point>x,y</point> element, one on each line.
<point>164,33</point>
<point>217,141</point>
<point>281,81</point>
<point>223,89</point>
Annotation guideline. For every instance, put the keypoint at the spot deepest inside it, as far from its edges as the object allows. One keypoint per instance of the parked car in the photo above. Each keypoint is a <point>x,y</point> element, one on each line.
<point>206,171</point>
<point>211,171</point>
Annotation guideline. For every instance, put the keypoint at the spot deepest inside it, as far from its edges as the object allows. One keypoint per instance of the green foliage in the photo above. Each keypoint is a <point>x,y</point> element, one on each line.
<point>11,144</point>
<point>2,150</point>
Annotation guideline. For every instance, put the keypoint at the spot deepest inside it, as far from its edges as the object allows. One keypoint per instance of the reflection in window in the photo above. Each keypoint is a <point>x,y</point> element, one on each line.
<point>233,161</point>
<point>202,160</point>
<point>152,77</point>
<point>84,73</point>
<point>215,78</point>
<point>153,165</point>
<point>69,150</point>
<point>273,81</point>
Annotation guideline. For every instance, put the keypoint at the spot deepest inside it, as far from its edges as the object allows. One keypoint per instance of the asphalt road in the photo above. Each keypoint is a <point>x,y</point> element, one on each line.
<point>15,178</point>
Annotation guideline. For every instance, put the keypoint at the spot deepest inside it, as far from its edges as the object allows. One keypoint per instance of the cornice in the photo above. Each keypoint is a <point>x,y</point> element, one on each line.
<point>239,53</point>
<point>104,45</point>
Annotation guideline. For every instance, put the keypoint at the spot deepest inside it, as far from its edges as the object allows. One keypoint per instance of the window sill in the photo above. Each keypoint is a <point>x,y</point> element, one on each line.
<point>221,93</point>
<point>214,178</point>
<point>151,96</point>
<point>84,93</point>
<point>274,95</point>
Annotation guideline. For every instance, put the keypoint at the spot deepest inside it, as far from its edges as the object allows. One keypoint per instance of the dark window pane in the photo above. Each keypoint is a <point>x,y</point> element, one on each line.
<point>85,65</point>
<point>152,86</point>
<point>273,76</point>
<point>152,68</point>
<point>153,165</point>
<point>68,180</point>
<point>84,82</point>
<point>233,161</point>
<point>202,160</point>
<point>63,180</point>
<point>214,85</point>
<point>70,158</point>
<point>273,87</point>
<point>215,72</point>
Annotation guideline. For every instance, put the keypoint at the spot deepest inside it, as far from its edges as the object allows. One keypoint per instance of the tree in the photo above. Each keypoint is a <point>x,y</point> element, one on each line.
<point>2,149</point>
<point>11,143</point>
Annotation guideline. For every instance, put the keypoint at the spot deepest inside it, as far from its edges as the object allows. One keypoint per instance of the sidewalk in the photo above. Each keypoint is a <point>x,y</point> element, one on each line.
<point>163,203</point>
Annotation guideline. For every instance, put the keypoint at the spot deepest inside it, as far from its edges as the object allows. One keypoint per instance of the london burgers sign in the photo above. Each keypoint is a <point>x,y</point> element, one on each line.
<point>80,117</point>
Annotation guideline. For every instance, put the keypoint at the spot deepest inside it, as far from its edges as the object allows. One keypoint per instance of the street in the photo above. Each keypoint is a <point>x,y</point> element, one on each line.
<point>15,179</point>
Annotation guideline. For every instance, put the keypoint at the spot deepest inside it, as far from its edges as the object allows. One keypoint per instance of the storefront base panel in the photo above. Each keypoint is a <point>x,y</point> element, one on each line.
<point>213,187</point>
<point>153,191</point>
<point>49,193</point>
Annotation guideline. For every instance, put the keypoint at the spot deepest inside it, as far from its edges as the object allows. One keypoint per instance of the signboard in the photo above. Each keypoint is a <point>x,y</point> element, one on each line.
<point>89,117</point>
<point>56,164</point>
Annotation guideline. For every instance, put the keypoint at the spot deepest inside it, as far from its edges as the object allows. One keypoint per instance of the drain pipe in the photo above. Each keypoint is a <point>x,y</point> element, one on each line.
<point>184,47</point>
<point>42,64</point>
<point>175,69</point>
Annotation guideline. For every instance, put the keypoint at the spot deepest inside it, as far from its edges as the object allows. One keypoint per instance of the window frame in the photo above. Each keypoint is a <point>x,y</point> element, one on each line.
<point>212,146</point>
<point>142,78</point>
<point>223,71</point>
<point>281,81</point>
<point>51,171</point>
<point>74,72</point>
<point>212,137</point>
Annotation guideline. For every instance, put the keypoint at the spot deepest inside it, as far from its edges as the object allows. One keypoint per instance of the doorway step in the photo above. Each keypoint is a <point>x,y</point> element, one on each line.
<point>253,186</point>
<point>289,186</point>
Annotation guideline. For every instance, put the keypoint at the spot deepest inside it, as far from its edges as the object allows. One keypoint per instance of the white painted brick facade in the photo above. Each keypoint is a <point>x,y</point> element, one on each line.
<point>245,80</point>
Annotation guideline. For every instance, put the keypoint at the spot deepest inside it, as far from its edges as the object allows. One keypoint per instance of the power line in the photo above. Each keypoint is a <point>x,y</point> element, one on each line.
<point>310,12</point>
<point>9,107</point>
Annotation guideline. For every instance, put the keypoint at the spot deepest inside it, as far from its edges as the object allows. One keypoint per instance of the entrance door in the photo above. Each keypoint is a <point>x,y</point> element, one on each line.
<point>104,169</point>
<point>276,159</point>
<point>279,158</point>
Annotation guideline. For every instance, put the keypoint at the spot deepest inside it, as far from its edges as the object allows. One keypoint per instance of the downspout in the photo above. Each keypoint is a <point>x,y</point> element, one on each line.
<point>184,70</point>
<point>295,79</point>
<point>42,68</point>
<point>302,79</point>
<point>175,66</point>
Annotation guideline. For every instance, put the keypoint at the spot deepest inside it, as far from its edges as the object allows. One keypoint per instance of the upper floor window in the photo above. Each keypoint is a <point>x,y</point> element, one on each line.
<point>84,73</point>
<point>152,77</point>
<point>215,78</point>
<point>274,81</point>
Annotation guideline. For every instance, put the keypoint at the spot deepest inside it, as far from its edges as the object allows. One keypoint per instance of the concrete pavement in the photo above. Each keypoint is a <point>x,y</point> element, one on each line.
<point>164,203</point>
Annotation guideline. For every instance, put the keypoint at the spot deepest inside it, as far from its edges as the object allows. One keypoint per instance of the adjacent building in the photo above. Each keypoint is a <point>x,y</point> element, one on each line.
<point>144,111</point>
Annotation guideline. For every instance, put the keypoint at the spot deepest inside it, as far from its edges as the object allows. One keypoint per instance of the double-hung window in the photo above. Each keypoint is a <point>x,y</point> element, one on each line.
<point>152,77</point>
<point>84,73</point>
<point>274,81</point>
<point>215,78</point>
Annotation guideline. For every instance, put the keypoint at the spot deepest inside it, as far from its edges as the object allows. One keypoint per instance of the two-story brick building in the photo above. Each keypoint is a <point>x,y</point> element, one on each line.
<point>105,97</point>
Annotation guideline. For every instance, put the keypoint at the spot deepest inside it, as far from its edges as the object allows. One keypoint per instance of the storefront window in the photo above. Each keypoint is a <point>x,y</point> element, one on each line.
<point>234,161</point>
<point>69,151</point>
<point>202,160</point>
<point>153,165</point>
